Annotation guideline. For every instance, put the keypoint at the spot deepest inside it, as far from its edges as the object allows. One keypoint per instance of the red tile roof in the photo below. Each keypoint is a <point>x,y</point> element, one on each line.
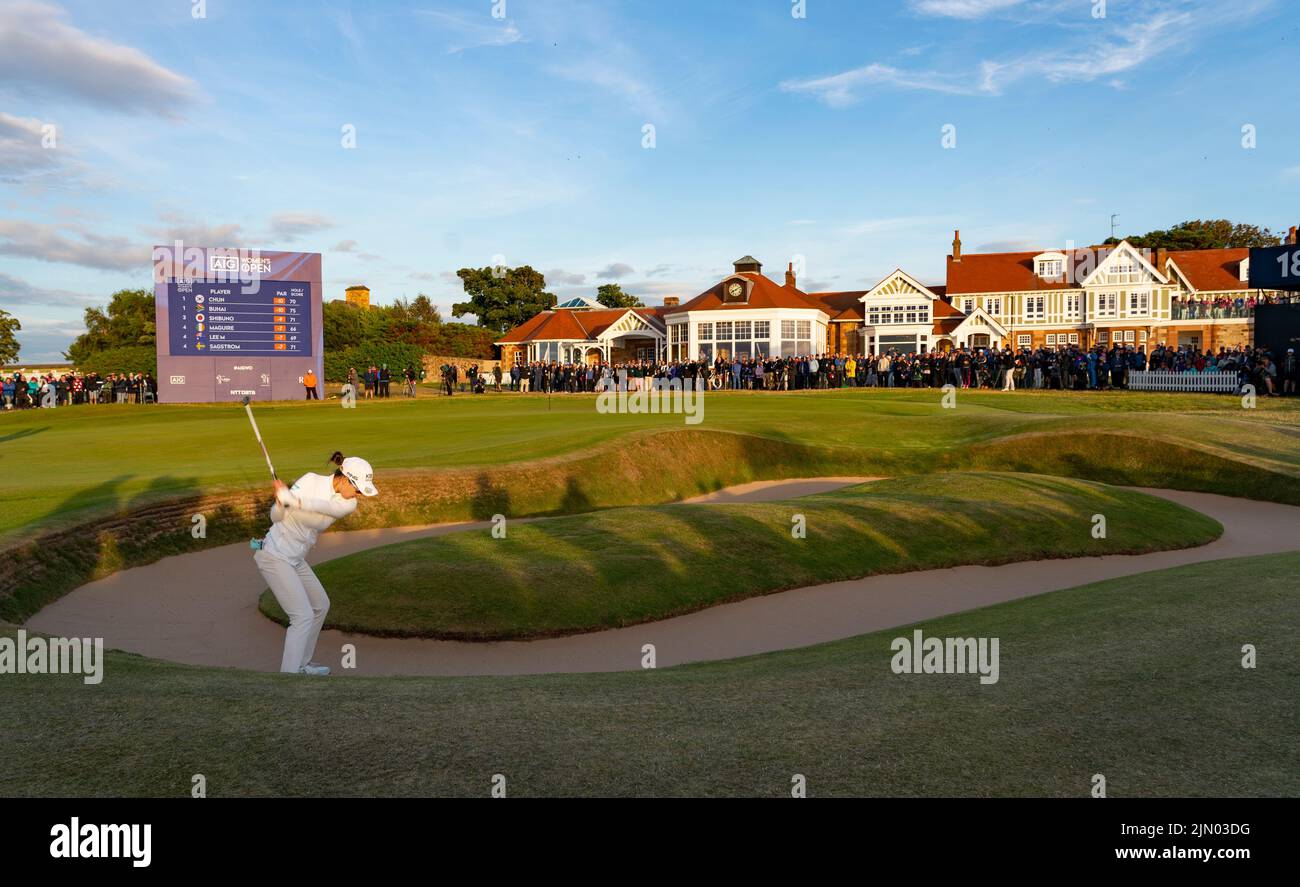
<point>945,325</point>
<point>1211,270</point>
<point>765,293</point>
<point>1005,273</point>
<point>576,325</point>
<point>943,309</point>
<point>841,306</point>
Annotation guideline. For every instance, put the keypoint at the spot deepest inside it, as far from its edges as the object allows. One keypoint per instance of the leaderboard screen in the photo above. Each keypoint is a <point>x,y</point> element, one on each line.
<point>220,319</point>
<point>235,323</point>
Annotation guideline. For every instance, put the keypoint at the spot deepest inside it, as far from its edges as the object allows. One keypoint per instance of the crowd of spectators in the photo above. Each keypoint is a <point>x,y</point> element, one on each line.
<point>1216,307</point>
<point>32,390</point>
<point>1065,367</point>
<point>1062,368</point>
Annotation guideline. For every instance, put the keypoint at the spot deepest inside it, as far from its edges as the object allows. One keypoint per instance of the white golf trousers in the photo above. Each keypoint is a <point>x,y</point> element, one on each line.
<point>303,600</point>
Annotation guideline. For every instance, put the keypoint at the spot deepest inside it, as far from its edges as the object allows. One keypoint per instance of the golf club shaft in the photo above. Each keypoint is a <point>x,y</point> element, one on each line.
<point>249,409</point>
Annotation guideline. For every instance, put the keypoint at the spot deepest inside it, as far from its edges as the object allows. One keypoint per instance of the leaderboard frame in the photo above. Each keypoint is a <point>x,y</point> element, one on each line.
<point>228,351</point>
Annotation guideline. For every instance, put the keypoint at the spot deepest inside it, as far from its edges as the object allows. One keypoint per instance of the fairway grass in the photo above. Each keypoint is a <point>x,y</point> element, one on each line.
<point>1139,679</point>
<point>110,459</point>
<point>624,566</point>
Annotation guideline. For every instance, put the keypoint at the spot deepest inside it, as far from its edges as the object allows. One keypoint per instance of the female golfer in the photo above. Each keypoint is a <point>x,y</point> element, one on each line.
<point>299,514</point>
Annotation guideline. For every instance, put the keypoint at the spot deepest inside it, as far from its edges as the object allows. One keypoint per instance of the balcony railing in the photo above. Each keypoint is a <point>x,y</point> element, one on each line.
<point>1220,309</point>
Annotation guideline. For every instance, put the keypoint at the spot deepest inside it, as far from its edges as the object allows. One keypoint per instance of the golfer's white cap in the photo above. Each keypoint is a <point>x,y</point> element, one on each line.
<point>361,474</point>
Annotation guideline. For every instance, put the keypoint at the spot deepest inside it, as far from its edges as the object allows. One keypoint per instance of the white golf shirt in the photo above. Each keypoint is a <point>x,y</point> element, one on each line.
<point>294,530</point>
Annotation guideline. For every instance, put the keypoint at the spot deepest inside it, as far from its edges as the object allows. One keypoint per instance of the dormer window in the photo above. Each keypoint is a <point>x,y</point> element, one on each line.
<point>1050,266</point>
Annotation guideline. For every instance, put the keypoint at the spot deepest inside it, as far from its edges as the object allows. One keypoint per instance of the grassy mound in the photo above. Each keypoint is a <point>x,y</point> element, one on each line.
<point>623,566</point>
<point>1138,678</point>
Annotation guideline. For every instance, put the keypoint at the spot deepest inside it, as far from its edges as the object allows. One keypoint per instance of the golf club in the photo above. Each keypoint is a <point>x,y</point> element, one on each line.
<point>249,409</point>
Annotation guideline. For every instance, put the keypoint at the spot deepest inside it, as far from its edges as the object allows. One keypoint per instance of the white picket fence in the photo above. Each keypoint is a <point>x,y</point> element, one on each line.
<point>1215,382</point>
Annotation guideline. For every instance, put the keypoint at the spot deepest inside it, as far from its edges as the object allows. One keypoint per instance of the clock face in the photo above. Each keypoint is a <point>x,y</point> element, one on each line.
<point>735,290</point>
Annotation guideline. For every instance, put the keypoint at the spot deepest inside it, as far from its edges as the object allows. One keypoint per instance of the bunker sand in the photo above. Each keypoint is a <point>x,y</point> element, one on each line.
<point>201,608</point>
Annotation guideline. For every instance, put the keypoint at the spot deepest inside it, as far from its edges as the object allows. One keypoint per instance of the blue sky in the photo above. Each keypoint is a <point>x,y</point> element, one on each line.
<point>522,136</point>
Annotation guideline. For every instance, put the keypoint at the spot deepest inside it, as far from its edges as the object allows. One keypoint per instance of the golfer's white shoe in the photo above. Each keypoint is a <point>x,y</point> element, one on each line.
<point>314,669</point>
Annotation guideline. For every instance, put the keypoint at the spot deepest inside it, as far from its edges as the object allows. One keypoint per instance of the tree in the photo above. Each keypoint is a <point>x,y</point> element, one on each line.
<point>1204,234</point>
<point>611,295</point>
<point>8,341</point>
<point>501,303</point>
<point>128,320</point>
<point>420,310</point>
<point>342,325</point>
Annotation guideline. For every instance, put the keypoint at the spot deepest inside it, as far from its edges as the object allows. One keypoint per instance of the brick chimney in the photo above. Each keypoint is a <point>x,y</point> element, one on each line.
<point>1162,260</point>
<point>789,272</point>
<point>671,301</point>
<point>956,245</point>
<point>1291,236</point>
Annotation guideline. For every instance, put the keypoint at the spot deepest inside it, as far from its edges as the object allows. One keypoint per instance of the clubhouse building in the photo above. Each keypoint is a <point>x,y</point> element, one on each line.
<point>1086,297</point>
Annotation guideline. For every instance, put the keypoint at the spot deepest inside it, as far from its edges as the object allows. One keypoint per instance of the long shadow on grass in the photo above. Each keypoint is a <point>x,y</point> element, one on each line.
<point>625,566</point>
<point>147,526</point>
<point>25,432</point>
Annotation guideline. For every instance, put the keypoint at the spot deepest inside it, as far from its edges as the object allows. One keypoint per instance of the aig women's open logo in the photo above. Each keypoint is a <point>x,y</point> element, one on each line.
<point>664,396</point>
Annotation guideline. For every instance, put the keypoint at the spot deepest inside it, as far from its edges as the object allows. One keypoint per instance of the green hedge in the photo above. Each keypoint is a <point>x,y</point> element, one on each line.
<point>397,355</point>
<point>128,359</point>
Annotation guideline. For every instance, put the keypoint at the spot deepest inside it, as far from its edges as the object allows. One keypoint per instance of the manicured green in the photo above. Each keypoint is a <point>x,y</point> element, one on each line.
<point>627,565</point>
<point>65,466</point>
<point>1138,678</point>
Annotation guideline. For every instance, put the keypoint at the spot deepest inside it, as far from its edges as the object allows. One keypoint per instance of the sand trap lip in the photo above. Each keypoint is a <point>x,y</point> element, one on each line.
<point>201,608</point>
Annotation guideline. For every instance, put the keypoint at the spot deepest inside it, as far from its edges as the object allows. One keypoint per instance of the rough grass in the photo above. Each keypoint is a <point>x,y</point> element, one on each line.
<point>1137,678</point>
<point>623,566</point>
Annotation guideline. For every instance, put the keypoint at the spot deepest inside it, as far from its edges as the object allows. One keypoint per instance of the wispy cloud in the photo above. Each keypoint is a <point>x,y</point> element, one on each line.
<point>177,226</point>
<point>15,291</point>
<point>558,276</point>
<point>844,89</point>
<point>41,54</point>
<point>1103,53</point>
<point>286,227</point>
<point>42,340</point>
<point>633,90</point>
<point>615,271</point>
<point>474,33</point>
<point>967,9</point>
<point>71,244</point>
<point>23,154</point>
